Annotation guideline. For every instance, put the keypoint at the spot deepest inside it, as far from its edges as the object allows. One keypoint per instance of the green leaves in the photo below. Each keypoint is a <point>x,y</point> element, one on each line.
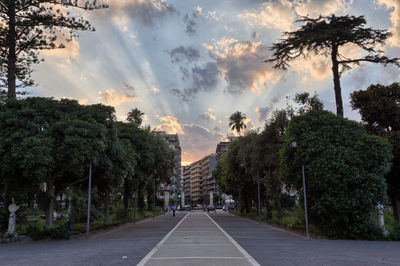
<point>344,167</point>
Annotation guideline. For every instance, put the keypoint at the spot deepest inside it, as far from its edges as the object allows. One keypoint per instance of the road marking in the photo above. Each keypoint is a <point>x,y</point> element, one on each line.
<point>244,252</point>
<point>208,245</point>
<point>180,258</point>
<point>154,250</point>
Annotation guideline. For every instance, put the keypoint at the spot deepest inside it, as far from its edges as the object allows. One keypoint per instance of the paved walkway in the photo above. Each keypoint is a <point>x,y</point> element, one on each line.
<point>197,240</point>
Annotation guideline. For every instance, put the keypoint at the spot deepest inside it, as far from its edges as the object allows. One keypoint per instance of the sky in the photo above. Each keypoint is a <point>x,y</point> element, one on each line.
<point>188,65</point>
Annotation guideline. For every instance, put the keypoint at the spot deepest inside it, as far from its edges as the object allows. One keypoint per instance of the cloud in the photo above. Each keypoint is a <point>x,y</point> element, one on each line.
<point>241,63</point>
<point>170,125</point>
<point>184,54</point>
<point>197,12</point>
<point>83,101</point>
<point>208,116</point>
<point>190,25</point>
<point>198,142</point>
<point>277,15</point>
<point>202,79</point>
<point>116,97</point>
<point>155,90</point>
<point>394,6</point>
<point>262,113</point>
<point>147,12</point>
<point>71,50</point>
<point>314,8</point>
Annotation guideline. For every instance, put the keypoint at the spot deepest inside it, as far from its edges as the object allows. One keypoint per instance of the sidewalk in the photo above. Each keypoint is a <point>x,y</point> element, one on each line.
<point>197,240</point>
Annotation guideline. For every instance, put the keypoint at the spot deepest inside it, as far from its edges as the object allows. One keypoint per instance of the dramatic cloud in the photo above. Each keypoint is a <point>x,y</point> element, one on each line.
<point>197,12</point>
<point>184,54</point>
<point>155,90</point>
<point>190,25</point>
<point>277,15</point>
<point>147,12</point>
<point>262,113</point>
<point>208,116</point>
<point>198,142</point>
<point>314,8</point>
<point>241,64</point>
<point>170,125</point>
<point>202,78</point>
<point>394,6</point>
<point>114,98</point>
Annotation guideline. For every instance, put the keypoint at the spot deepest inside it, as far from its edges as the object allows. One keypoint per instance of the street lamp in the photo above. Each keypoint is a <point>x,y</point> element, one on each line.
<point>294,145</point>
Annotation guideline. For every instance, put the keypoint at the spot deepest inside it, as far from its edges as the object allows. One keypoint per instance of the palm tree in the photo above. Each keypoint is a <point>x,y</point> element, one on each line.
<point>236,121</point>
<point>135,116</point>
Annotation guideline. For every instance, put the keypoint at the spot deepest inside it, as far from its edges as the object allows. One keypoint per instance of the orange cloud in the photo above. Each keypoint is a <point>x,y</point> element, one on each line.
<point>277,15</point>
<point>170,125</point>
<point>394,6</point>
<point>114,98</point>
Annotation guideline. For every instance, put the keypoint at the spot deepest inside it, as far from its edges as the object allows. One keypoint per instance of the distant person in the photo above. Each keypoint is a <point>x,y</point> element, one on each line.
<point>173,210</point>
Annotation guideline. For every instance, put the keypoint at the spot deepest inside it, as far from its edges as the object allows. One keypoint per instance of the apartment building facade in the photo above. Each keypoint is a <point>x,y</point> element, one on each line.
<point>198,180</point>
<point>175,186</point>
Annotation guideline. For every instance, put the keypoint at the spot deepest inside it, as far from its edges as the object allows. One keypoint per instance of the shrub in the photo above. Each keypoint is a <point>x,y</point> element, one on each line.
<point>59,232</point>
<point>344,169</point>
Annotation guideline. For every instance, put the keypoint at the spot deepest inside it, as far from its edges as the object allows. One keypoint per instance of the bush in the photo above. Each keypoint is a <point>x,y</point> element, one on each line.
<point>59,232</point>
<point>344,169</point>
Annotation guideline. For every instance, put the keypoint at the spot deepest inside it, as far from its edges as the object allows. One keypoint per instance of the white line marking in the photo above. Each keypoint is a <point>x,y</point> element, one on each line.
<point>208,245</point>
<point>177,258</point>
<point>154,250</point>
<point>244,252</point>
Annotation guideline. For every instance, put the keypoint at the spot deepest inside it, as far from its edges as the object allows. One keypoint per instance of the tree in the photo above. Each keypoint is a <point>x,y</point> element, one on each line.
<point>324,36</point>
<point>236,121</point>
<point>379,107</point>
<point>47,145</point>
<point>29,26</point>
<point>135,116</point>
<point>344,167</point>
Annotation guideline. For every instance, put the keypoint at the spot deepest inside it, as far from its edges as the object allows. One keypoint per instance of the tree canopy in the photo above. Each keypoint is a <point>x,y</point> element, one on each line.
<point>325,35</point>
<point>344,169</point>
<point>29,26</point>
<point>379,107</point>
<point>236,121</point>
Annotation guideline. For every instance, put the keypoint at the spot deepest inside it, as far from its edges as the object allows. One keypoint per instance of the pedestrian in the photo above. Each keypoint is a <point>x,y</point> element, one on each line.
<point>173,210</point>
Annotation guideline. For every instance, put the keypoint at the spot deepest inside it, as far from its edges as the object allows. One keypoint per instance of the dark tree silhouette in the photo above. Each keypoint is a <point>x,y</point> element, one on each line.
<point>28,26</point>
<point>324,36</point>
<point>135,116</point>
<point>236,121</point>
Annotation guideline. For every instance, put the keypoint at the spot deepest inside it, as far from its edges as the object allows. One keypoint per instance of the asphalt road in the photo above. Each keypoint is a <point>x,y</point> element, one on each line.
<point>198,239</point>
<point>104,248</point>
<point>270,246</point>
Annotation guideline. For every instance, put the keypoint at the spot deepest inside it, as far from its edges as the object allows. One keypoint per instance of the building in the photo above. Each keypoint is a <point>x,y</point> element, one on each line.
<point>172,141</point>
<point>198,180</point>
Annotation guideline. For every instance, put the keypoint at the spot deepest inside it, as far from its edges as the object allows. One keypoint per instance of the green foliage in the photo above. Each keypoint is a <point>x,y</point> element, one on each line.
<point>325,35</point>
<point>59,232</point>
<point>28,27</point>
<point>379,107</point>
<point>344,168</point>
<point>135,116</point>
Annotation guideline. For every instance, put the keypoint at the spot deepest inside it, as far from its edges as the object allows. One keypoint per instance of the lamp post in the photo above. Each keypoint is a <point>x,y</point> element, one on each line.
<point>89,201</point>
<point>259,198</point>
<point>294,145</point>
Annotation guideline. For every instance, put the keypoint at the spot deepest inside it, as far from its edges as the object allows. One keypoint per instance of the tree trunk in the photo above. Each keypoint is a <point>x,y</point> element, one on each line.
<point>336,81</point>
<point>126,197</point>
<point>278,205</point>
<point>49,208</point>
<point>12,57</point>
<point>106,203</point>
<point>268,206</point>
<point>141,204</point>
<point>396,207</point>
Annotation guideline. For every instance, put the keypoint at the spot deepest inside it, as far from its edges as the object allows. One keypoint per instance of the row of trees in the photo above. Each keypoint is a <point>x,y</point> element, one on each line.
<point>47,145</point>
<point>345,166</point>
